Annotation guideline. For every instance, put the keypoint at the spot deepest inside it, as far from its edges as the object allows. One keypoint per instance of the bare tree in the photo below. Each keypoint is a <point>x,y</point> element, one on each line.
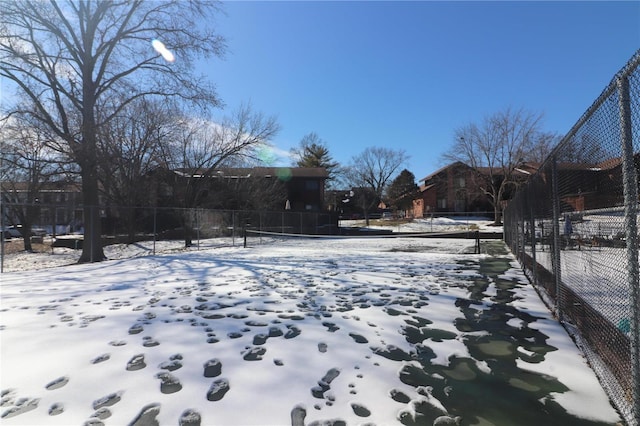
<point>494,149</point>
<point>585,148</point>
<point>240,189</point>
<point>77,63</point>
<point>541,146</point>
<point>202,147</point>
<point>27,166</point>
<point>130,150</point>
<point>370,171</point>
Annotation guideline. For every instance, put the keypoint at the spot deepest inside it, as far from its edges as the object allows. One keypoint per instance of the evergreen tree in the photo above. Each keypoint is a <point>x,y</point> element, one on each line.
<point>402,191</point>
<point>313,152</point>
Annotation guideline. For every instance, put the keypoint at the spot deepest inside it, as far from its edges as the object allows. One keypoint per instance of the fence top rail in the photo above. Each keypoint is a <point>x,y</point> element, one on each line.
<point>624,72</point>
<point>373,234</point>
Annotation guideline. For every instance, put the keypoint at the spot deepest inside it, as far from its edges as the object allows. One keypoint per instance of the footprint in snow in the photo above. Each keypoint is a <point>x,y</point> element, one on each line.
<point>136,363</point>
<point>212,368</point>
<point>358,338</point>
<point>56,408</point>
<point>23,405</point>
<point>149,342</point>
<point>218,390</point>
<point>360,410</point>
<point>254,354</point>
<point>169,383</point>
<point>147,416</point>
<point>57,383</point>
<point>107,401</point>
<point>174,363</point>
<point>298,415</point>
<point>190,418</point>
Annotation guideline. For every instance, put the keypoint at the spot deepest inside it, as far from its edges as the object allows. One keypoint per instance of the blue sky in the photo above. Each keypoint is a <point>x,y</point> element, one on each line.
<point>405,75</point>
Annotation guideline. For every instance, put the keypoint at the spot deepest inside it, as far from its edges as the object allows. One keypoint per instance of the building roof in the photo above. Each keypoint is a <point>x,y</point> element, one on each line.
<point>245,172</point>
<point>53,186</point>
<point>424,188</point>
<point>442,169</point>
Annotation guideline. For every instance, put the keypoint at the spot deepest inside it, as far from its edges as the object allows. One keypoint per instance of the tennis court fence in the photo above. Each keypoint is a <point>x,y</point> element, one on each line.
<point>62,225</point>
<point>574,228</point>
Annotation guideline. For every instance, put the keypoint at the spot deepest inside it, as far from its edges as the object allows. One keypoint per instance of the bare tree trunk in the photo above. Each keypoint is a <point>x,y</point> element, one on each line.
<point>88,161</point>
<point>26,235</point>
<point>30,216</point>
<point>92,244</point>
<point>187,228</point>
<point>131,225</point>
<point>497,215</point>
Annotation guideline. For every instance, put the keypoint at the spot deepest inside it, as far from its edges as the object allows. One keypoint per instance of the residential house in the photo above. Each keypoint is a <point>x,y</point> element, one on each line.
<point>457,189</point>
<point>590,186</point>
<point>57,205</point>
<point>451,189</point>
<point>265,188</point>
<point>581,186</point>
<point>60,203</point>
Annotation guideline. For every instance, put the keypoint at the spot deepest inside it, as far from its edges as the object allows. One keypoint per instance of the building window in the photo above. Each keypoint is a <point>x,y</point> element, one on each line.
<point>45,216</point>
<point>442,203</point>
<point>461,182</point>
<point>311,185</point>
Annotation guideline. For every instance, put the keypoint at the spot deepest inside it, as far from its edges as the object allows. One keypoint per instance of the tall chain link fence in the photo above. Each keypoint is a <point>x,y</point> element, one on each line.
<point>62,226</point>
<point>573,227</point>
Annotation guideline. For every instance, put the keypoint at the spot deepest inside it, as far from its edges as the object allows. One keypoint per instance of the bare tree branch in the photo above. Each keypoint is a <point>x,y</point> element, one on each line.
<point>77,64</point>
<point>494,149</point>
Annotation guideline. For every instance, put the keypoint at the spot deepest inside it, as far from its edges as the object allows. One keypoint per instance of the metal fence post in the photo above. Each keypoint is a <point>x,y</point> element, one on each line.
<point>233,228</point>
<point>92,235</point>
<point>197,217</point>
<point>155,232</point>
<point>1,237</point>
<point>522,240</point>
<point>556,238</point>
<point>534,260</point>
<point>630,183</point>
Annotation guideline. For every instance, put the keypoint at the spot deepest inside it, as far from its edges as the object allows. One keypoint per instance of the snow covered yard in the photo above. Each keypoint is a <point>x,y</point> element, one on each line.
<point>361,331</point>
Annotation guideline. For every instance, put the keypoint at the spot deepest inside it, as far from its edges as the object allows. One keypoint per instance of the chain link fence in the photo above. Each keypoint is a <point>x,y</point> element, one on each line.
<point>573,227</point>
<point>62,226</point>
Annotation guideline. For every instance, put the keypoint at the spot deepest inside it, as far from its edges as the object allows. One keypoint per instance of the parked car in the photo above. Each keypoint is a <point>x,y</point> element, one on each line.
<point>38,232</point>
<point>11,232</point>
<point>14,232</point>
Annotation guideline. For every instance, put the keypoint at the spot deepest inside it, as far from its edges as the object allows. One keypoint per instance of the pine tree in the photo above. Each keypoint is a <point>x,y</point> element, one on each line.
<point>313,152</point>
<point>402,191</point>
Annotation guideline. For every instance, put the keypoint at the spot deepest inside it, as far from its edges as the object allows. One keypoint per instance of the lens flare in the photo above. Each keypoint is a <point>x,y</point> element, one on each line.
<point>162,50</point>
<point>266,155</point>
<point>284,174</point>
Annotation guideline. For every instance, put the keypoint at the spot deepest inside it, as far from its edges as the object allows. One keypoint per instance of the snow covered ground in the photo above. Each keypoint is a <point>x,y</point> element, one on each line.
<point>60,256</point>
<point>363,331</point>
<point>435,224</point>
<point>596,272</point>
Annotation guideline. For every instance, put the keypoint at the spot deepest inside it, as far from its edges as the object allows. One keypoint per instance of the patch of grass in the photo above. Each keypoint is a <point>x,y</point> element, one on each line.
<point>16,245</point>
<point>388,222</point>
